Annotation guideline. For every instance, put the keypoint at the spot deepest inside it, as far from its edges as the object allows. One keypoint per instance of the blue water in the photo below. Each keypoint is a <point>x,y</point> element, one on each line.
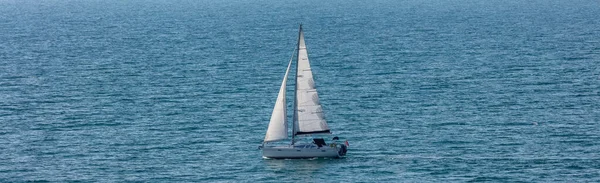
<point>425,91</point>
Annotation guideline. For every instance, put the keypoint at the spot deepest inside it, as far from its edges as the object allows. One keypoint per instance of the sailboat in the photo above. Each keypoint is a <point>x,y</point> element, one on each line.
<point>309,124</point>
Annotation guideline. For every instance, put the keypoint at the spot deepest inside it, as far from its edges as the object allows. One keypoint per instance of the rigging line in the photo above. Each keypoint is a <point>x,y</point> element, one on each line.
<point>293,53</point>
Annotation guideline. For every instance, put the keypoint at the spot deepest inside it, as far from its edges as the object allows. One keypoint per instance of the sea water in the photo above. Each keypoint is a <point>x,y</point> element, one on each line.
<point>182,90</point>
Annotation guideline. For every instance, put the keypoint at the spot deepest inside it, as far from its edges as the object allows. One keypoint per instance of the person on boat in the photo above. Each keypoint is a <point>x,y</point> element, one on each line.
<point>319,142</point>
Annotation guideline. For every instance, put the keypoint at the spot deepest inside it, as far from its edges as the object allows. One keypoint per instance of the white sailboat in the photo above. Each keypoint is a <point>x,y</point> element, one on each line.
<point>308,118</point>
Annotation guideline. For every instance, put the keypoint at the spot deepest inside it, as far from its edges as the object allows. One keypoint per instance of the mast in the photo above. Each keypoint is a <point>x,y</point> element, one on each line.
<point>295,118</point>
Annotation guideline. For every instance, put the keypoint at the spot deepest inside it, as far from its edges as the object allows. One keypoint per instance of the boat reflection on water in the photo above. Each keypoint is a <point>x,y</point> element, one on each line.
<point>304,170</point>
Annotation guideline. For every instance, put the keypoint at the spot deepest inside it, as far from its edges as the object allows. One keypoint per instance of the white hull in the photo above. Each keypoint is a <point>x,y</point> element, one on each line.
<point>302,151</point>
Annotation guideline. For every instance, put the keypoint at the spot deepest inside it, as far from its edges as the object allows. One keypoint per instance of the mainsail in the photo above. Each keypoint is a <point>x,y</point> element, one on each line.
<point>278,125</point>
<point>308,114</point>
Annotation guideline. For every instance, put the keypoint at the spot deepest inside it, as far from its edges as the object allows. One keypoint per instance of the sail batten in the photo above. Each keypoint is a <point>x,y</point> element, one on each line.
<point>308,114</point>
